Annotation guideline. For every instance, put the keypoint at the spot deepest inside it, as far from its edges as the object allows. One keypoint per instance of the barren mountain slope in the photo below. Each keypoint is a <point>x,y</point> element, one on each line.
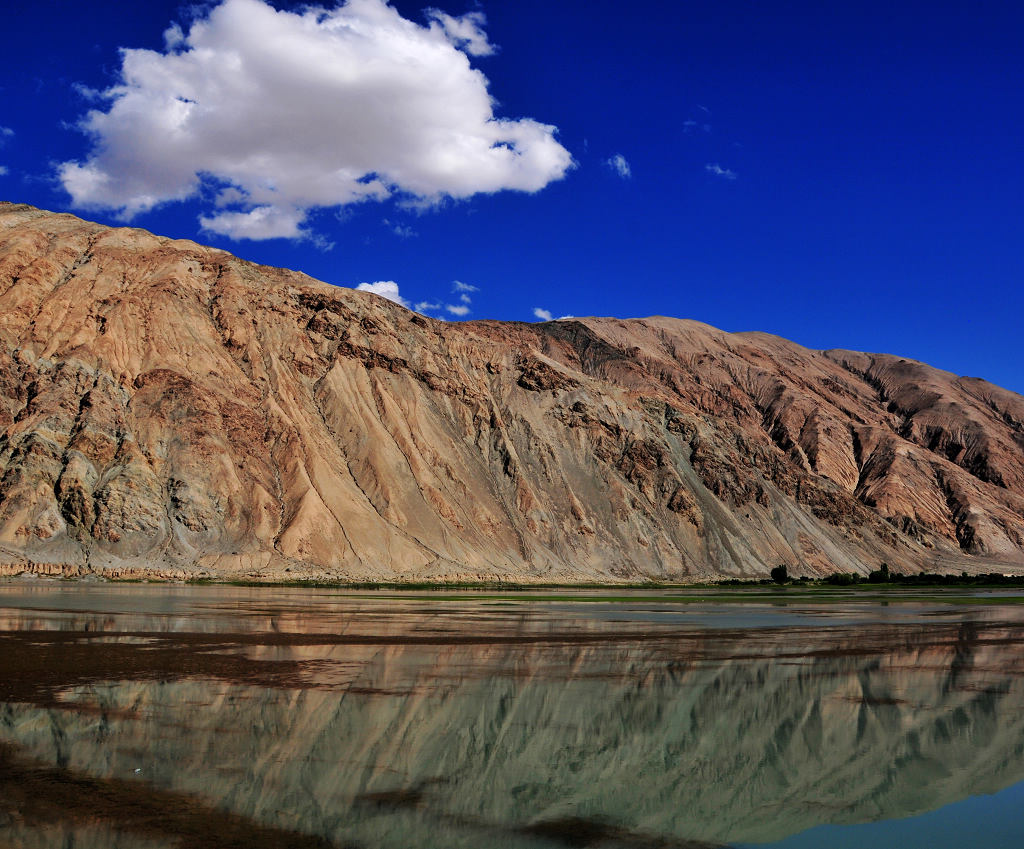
<point>167,407</point>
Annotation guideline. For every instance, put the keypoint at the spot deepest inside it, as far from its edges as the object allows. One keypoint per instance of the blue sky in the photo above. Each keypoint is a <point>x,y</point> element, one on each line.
<point>841,174</point>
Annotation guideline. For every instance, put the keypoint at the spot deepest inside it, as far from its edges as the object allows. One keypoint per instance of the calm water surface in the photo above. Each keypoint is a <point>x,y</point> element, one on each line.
<point>163,716</point>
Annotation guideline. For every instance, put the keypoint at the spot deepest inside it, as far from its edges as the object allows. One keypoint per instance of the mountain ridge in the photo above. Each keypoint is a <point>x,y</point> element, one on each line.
<point>168,409</point>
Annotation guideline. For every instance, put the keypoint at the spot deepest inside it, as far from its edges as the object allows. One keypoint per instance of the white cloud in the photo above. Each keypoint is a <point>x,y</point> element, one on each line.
<point>466,33</point>
<point>543,315</point>
<point>5,133</point>
<point>87,92</point>
<point>229,196</point>
<point>263,222</point>
<point>428,306</point>
<point>295,110</point>
<point>403,231</point>
<point>174,37</point>
<point>719,171</point>
<point>463,290</point>
<point>386,289</point>
<point>620,166</point>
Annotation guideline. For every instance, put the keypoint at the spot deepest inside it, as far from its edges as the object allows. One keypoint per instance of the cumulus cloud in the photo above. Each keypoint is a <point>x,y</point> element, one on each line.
<point>542,314</point>
<point>457,309</point>
<point>289,111</point>
<point>262,222</point>
<point>620,166</point>
<point>459,286</point>
<point>428,306</point>
<point>719,171</point>
<point>386,289</point>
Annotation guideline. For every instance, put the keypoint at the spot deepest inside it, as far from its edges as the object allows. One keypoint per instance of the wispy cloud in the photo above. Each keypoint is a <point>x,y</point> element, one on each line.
<point>464,291</point>
<point>466,32</point>
<point>386,106</point>
<point>620,166</point>
<point>461,308</point>
<point>5,133</point>
<point>719,171</point>
<point>542,314</point>
<point>403,231</point>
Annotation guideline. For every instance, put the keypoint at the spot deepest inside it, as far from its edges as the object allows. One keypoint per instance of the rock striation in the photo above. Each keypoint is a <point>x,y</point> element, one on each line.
<point>169,409</point>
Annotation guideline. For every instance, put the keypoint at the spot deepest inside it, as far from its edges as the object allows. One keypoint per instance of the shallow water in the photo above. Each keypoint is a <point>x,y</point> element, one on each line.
<point>168,716</point>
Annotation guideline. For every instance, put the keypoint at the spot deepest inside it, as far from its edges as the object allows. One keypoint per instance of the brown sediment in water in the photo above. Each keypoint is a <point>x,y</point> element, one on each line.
<point>581,833</point>
<point>37,666</point>
<point>34,795</point>
<point>570,832</point>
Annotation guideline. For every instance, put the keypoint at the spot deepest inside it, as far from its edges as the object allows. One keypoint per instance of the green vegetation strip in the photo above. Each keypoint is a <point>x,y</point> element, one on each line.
<point>753,598</point>
<point>933,589</point>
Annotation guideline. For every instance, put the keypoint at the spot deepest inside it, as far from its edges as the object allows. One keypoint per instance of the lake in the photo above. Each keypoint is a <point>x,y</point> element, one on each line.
<point>136,715</point>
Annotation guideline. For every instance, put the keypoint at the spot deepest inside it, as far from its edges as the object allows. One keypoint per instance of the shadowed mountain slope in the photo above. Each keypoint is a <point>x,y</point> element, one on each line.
<point>167,407</point>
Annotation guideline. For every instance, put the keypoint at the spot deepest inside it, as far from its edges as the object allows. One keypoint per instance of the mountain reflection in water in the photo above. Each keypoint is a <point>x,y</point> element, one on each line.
<point>187,717</point>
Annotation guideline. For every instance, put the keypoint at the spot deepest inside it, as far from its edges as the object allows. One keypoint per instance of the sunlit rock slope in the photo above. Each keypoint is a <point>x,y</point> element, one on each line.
<point>168,408</point>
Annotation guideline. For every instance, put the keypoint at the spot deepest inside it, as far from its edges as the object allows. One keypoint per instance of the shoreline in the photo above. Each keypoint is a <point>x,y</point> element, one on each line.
<point>902,587</point>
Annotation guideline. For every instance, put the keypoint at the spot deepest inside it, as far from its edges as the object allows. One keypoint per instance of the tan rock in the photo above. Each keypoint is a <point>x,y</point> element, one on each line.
<point>167,408</point>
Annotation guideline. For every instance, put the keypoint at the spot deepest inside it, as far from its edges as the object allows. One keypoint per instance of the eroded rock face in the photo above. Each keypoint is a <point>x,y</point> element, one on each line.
<point>168,407</point>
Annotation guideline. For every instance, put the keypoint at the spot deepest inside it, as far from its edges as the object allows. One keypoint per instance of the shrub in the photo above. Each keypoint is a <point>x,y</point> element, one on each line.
<point>843,579</point>
<point>880,576</point>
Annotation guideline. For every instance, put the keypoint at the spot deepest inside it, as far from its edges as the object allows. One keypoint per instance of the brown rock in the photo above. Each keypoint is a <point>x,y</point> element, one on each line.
<point>168,408</point>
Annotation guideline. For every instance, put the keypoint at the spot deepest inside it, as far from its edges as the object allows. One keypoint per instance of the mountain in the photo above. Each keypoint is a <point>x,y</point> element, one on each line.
<point>167,408</point>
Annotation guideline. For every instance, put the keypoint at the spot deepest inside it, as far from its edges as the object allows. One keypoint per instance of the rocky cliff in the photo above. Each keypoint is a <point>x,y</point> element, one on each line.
<point>168,408</point>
